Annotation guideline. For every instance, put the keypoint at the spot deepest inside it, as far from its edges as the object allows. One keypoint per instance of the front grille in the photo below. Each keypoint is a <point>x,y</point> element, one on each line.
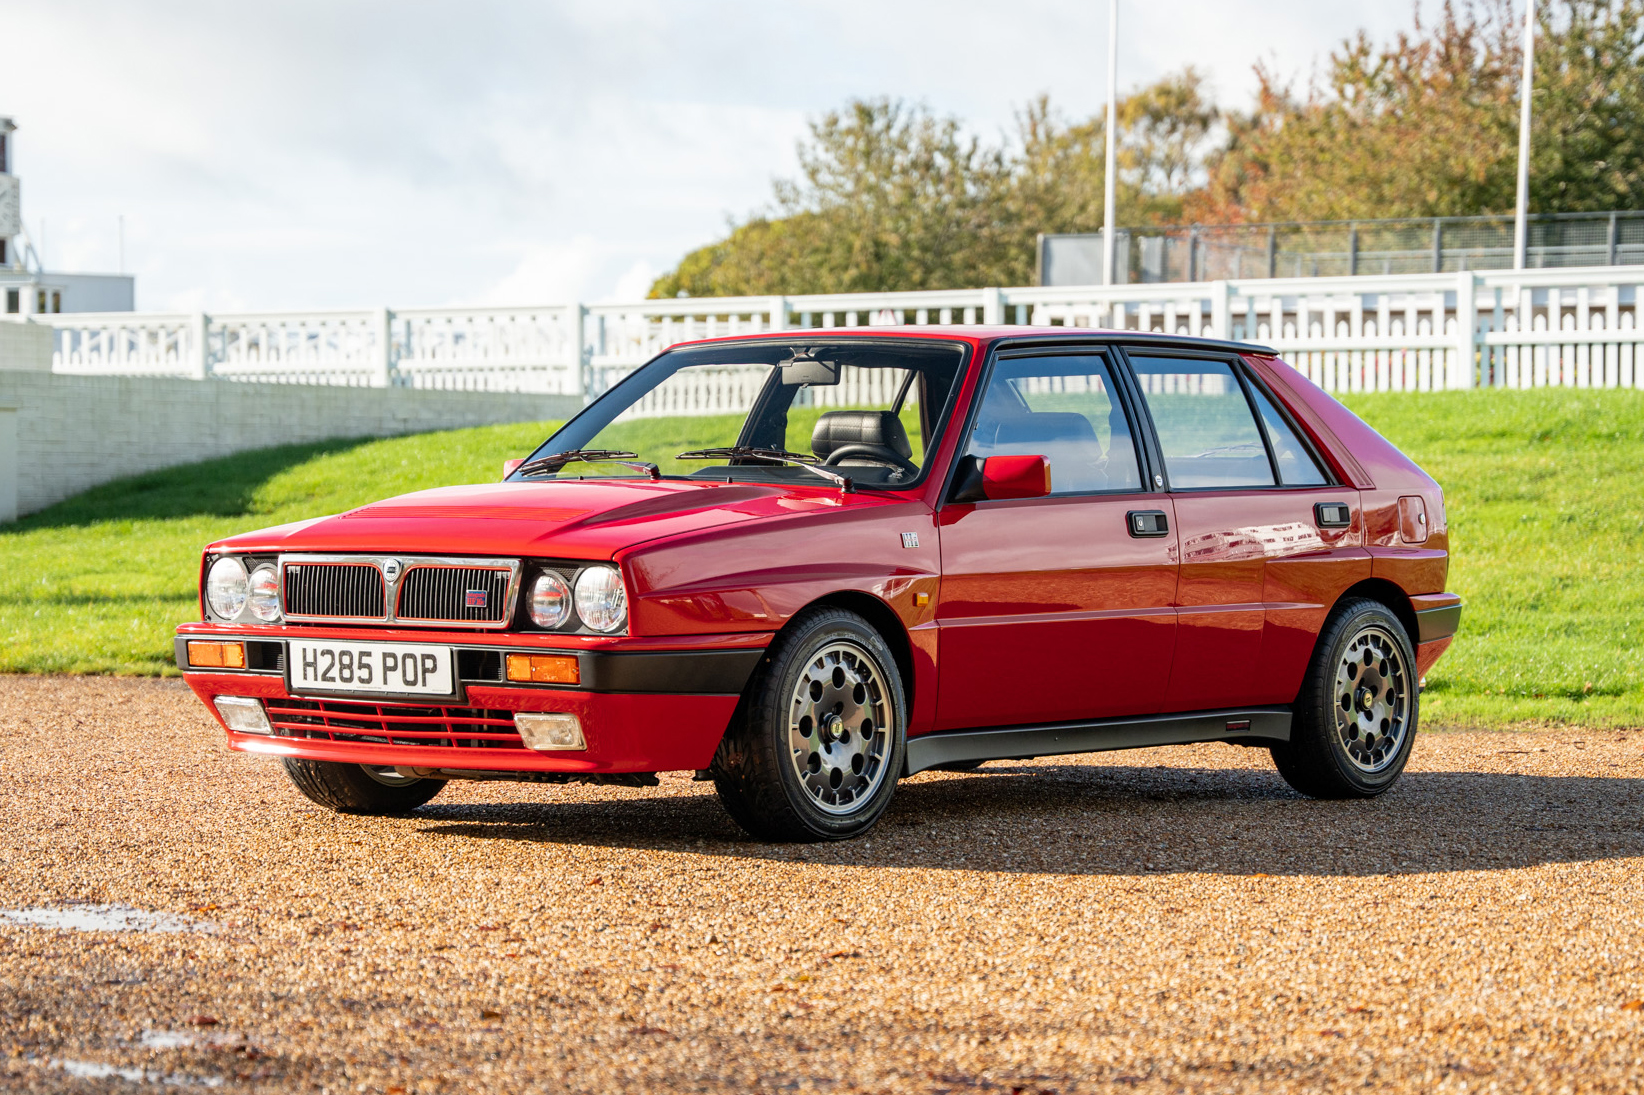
<point>365,723</point>
<point>458,594</point>
<point>340,590</point>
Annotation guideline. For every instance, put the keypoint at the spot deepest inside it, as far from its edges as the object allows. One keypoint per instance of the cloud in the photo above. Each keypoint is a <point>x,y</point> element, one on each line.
<point>316,154</point>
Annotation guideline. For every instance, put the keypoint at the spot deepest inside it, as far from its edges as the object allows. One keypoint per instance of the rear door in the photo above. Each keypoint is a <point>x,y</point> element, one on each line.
<point>1261,559</point>
<point>1051,610</point>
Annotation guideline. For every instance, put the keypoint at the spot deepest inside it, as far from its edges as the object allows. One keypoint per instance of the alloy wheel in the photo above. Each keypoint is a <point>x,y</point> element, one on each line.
<point>1373,699</point>
<point>839,735</point>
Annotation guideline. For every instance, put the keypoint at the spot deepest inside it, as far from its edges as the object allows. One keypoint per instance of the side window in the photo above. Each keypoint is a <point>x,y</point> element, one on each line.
<point>1296,465</point>
<point>1065,409</point>
<point>1206,429</point>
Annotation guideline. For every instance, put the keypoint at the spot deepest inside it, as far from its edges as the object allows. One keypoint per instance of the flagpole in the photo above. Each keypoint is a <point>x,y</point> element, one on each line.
<point>1521,227</point>
<point>1110,228</point>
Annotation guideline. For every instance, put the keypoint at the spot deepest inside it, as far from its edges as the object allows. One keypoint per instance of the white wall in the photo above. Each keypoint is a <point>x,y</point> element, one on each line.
<point>74,432</point>
<point>8,463</point>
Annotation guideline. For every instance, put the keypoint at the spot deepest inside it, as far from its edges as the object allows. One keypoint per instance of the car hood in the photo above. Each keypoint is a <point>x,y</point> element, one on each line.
<point>577,519</point>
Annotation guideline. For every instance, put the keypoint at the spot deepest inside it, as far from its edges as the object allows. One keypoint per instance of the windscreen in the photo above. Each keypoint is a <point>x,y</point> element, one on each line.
<point>867,409</point>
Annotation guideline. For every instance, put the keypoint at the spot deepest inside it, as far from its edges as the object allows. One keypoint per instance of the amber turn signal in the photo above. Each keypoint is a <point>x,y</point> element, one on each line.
<point>544,668</point>
<point>216,655</point>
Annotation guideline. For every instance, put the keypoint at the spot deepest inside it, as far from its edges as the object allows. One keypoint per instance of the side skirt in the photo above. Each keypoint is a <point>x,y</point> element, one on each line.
<point>1260,725</point>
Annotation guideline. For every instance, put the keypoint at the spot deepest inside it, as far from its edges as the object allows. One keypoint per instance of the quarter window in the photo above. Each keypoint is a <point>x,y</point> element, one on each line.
<point>1297,467</point>
<point>1207,432</point>
<point>1065,409</point>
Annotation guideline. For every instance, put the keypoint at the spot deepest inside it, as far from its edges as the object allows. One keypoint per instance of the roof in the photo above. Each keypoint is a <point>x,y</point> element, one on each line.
<point>981,332</point>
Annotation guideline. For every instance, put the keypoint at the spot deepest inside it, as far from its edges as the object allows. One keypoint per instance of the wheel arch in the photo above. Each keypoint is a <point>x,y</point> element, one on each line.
<point>884,620</point>
<point>1389,594</point>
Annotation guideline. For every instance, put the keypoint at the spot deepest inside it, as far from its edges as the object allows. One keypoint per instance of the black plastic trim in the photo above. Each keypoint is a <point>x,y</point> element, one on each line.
<point>1265,724</point>
<point>1437,623</point>
<point>690,673</point>
<point>679,672</point>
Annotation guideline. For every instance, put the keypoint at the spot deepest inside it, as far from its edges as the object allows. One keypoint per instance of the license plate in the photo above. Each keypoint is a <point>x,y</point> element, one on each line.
<point>374,668</point>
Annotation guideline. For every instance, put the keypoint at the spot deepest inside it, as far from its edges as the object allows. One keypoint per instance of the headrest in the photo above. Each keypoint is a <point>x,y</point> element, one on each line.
<point>836,429</point>
<point>1025,429</point>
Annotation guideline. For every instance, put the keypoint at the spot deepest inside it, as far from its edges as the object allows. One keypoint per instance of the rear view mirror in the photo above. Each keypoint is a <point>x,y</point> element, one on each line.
<point>1000,477</point>
<point>802,368</point>
<point>509,467</point>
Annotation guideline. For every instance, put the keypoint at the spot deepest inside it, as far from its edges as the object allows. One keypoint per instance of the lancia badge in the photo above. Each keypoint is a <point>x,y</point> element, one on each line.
<point>391,569</point>
<point>910,539</point>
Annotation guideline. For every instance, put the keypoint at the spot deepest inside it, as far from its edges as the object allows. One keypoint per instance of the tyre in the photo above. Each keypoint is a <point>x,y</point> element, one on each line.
<point>1355,719</point>
<point>816,746</point>
<point>359,788</point>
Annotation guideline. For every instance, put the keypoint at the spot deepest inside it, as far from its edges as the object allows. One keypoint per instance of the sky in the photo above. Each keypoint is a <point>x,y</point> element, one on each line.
<point>350,154</point>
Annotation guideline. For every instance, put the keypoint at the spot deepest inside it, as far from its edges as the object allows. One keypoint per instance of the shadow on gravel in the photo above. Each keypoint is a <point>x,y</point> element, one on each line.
<point>1131,820</point>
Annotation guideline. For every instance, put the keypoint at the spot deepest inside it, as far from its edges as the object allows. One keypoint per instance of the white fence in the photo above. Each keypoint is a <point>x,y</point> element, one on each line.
<point>1418,332</point>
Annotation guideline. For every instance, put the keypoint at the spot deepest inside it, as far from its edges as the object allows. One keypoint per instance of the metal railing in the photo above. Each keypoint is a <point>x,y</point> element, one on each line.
<point>1413,332</point>
<point>1412,245</point>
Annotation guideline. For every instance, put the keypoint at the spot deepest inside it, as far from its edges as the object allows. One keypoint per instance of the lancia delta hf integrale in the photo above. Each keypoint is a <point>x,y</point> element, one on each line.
<point>806,564</point>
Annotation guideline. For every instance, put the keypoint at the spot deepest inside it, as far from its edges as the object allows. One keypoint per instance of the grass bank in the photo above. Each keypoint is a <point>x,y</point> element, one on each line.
<point>1545,493</point>
<point>1544,490</point>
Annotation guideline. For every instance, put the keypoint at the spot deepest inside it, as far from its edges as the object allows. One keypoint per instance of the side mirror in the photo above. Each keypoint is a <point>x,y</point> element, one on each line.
<point>509,467</point>
<point>1000,477</point>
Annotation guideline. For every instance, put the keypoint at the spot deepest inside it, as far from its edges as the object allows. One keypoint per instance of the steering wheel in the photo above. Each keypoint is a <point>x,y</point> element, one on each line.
<point>879,454</point>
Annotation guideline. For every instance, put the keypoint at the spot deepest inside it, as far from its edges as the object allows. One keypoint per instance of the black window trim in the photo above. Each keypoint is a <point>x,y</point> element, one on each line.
<point>1256,383</point>
<point>1113,355</point>
<point>1247,381</point>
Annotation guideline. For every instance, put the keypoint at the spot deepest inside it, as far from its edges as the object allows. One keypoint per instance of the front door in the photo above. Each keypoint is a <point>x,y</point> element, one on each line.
<point>1051,609</point>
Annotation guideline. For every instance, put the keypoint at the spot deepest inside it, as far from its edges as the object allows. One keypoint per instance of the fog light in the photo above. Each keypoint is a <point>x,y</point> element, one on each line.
<point>243,715</point>
<point>216,655</point>
<point>544,668</point>
<point>546,732</point>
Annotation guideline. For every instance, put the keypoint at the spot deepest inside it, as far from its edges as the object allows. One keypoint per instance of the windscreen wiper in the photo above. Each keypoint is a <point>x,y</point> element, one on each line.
<point>548,465</point>
<point>772,456</point>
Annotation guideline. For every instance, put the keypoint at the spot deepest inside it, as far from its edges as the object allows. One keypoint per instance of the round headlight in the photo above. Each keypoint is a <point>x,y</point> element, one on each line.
<point>265,594</point>
<point>227,587</point>
<point>601,601</point>
<point>550,601</point>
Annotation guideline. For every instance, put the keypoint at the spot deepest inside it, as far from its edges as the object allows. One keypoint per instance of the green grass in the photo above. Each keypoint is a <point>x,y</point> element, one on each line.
<point>96,584</point>
<point>1545,492</point>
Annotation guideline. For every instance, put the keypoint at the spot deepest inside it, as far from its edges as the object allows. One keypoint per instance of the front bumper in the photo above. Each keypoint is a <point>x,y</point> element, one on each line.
<point>641,708</point>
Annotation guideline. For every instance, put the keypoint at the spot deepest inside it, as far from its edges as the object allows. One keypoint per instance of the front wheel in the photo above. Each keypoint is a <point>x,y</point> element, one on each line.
<point>359,788</point>
<point>1355,719</point>
<point>816,746</point>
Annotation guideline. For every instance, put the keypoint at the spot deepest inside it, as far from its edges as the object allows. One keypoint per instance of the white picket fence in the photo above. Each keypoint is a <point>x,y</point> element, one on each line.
<point>1417,332</point>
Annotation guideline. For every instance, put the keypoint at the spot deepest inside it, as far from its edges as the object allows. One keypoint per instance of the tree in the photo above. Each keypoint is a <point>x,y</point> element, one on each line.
<point>889,197</point>
<point>894,197</point>
<point>1427,125</point>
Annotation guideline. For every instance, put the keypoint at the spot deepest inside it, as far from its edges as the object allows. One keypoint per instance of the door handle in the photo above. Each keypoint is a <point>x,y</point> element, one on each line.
<point>1147,522</point>
<point>1333,514</point>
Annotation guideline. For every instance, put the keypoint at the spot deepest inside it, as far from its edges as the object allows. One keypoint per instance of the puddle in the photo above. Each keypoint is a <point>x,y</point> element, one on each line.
<point>104,918</point>
<point>91,1070</point>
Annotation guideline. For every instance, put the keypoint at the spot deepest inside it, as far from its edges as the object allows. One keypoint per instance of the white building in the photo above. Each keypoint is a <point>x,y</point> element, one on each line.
<point>27,289</point>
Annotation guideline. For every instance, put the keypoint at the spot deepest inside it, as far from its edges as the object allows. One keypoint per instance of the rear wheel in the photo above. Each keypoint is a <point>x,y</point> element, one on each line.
<point>816,746</point>
<point>359,788</point>
<point>1355,719</point>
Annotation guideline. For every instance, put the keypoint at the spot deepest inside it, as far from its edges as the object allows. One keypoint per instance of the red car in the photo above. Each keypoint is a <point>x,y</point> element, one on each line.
<point>806,564</point>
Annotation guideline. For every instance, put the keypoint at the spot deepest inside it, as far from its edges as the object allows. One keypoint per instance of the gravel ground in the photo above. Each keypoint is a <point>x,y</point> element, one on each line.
<point>1170,920</point>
